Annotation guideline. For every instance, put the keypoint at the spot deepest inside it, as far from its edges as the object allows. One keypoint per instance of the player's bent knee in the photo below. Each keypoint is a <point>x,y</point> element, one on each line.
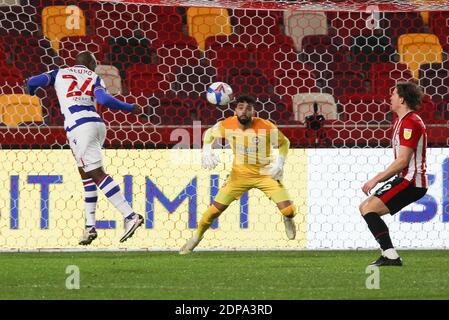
<point>219,206</point>
<point>289,211</point>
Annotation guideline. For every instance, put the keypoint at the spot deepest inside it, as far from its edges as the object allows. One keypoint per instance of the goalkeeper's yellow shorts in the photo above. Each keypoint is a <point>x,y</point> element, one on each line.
<point>234,188</point>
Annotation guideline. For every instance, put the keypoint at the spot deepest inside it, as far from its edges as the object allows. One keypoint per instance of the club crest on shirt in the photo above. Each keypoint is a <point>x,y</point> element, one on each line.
<point>407,133</point>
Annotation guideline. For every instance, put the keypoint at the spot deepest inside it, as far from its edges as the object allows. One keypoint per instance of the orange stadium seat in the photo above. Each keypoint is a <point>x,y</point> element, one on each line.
<point>419,48</point>
<point>62,21</point>
<point>206,22</point>
<point>20,108</point>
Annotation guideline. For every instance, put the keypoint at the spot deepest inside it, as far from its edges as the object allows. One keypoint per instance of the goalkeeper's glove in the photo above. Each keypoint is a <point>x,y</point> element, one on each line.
<point>210,160</point>
<point>276,169</point>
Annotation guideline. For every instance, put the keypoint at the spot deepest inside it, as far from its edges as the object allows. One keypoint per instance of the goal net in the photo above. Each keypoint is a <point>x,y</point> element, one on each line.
<point>338,58</point>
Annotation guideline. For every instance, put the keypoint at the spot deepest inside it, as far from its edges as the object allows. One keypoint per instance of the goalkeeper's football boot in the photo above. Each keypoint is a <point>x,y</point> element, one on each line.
<point>384,261</point>
<point>90,234</point>
<point>290,228</point>
<point>190,245</point>
<point>131,226</point>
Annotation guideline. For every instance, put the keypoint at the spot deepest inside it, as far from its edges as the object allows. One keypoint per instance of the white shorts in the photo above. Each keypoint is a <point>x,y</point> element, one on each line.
<point>86,142</point>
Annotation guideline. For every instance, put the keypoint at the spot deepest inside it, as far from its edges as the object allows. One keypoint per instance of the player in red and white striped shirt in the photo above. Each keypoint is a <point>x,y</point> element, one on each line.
<point>408,169</point>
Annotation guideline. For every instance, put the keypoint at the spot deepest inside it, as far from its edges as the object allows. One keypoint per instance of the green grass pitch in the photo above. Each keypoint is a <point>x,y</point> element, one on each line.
<point>223,275</point>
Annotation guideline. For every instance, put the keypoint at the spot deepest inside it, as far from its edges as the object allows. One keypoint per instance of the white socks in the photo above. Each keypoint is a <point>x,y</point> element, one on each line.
<point>90,201</point>
<point>112,191</point>
<point>390,254</point>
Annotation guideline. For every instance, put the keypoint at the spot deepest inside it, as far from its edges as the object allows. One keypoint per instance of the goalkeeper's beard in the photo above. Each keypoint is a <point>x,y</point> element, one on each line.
<point>244,121</point>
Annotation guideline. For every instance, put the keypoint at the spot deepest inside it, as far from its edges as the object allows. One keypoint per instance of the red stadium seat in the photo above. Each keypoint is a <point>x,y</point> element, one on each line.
<point>298,78</point>
<point>439,25</point>
<point>9,71</point>
<point>177,52</point>
<point>347,83</point>
<point>365,109</point>
<point>348,24</point>
<point>71,46</point>
<point>384,76</point>
<point>148,79</point>
<point>42,59</point>
<point>257,22</point>
<point>164,24</point>
<point>398,23</point>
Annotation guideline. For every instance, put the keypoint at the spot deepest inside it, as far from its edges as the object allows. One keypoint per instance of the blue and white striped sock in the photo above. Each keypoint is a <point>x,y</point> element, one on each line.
<point>112,191</point>
<point>90,201</point>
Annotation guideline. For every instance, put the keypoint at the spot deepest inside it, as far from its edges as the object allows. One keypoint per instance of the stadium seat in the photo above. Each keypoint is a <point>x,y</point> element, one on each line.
<point>110,23</point>
<point>300,24</point>
<point>61,21</point>
<point>432,78</point>
<point>18,20</point>
<point>71,46</point>
<point>164,25</point>
<point>373,47</point>
<point>205,22</point>
<point>226,53</point>
<point>250,23</point>
<point>348,24</point>
<point>384,76</point>
<point>20,108</point>
<point>277,109</point>
<point>303,106</point>
<point>347,83</point>
<point>148,79</point>
<point>125,52</point>
<point>178,52</point>
<point>365,109</point>
<point>5,3</point>
<point>111,78</point>
<point>399,23</point>
<point>439,25</point>
<point>298,78</point>
<point>320,52</point>
<point>418,48</point>
<point>42,59</point>
<point>249,81</point>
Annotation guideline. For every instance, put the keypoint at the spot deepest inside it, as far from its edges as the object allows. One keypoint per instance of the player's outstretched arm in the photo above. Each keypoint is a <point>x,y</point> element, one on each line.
<point>209,159</point>
<point>41,80</point>
<point>112,103</point>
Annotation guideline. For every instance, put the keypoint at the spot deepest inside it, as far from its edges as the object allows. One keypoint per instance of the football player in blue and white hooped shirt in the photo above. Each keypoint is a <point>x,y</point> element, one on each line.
<point>79,88</point>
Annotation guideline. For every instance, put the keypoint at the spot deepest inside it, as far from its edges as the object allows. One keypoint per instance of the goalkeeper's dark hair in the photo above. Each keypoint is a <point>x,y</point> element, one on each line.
<point>248,99</point>
<point>411,93</point>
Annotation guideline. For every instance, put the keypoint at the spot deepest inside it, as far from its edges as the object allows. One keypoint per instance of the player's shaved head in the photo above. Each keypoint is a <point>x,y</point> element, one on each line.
<point>87,59</point>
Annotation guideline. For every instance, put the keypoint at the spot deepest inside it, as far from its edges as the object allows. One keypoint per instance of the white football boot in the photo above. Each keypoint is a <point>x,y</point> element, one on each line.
<point>190,244</point>
<point>131,225</point>
<point>290,228</point>
<point>89,235</point>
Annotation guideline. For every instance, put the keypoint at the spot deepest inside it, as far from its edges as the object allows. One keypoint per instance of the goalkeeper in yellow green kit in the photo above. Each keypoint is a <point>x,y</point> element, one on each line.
<point>251,139</point>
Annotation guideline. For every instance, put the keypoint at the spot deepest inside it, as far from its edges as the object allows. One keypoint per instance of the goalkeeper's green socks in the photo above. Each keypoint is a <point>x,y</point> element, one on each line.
<point>207,219</point>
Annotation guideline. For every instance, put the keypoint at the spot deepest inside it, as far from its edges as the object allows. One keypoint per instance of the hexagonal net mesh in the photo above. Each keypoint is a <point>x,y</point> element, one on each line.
<point>342,58</point>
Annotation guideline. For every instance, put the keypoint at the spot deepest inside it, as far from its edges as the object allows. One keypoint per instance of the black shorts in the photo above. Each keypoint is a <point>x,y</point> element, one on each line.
<point>398,193</point>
